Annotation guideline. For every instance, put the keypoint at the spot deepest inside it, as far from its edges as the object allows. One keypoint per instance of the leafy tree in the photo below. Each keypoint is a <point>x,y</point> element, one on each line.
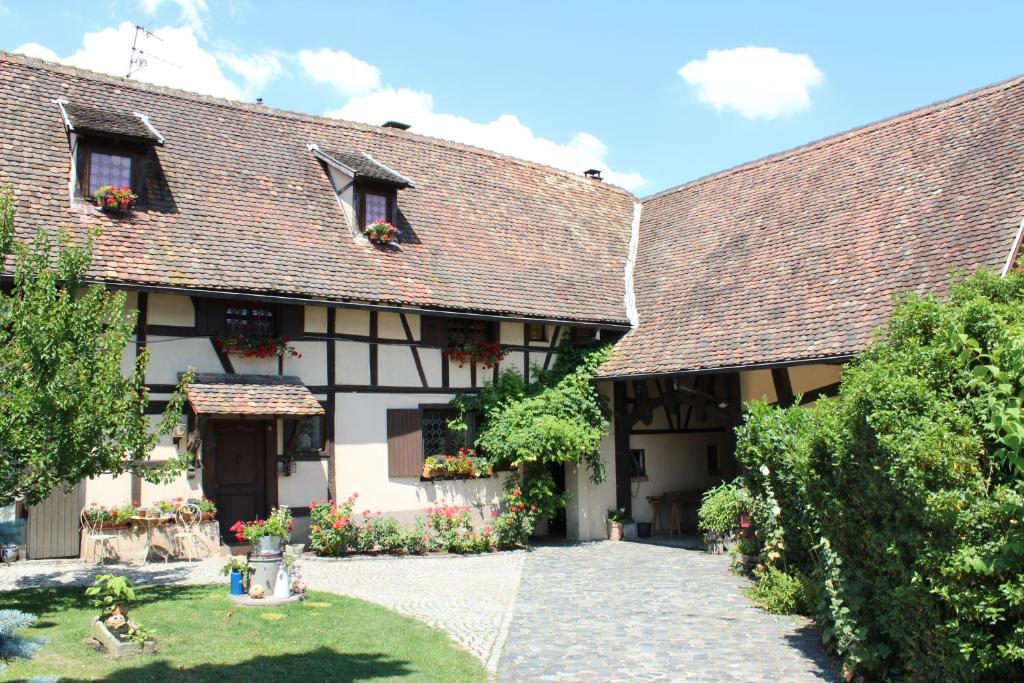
<point>67,409</point>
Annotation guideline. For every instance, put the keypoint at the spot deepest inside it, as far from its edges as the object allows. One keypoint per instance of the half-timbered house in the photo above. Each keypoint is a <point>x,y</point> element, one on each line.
<point>756,282</point>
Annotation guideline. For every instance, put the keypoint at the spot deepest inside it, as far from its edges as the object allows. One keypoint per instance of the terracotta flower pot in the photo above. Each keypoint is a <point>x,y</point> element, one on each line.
<point>614,531</point>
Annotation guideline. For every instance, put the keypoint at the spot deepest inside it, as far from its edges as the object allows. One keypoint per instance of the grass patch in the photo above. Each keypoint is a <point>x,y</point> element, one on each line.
<point>203,637</point>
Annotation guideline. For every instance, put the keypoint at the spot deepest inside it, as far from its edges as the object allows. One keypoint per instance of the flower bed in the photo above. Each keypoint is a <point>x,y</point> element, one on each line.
<point>336,530</point>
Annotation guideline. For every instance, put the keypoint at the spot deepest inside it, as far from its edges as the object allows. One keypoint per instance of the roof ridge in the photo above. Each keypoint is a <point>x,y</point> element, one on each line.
<point>36,62</point>
<point>842,136</point>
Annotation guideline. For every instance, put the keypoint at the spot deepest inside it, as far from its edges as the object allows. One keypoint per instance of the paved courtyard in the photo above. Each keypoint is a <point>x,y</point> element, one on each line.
<point>589,612</point>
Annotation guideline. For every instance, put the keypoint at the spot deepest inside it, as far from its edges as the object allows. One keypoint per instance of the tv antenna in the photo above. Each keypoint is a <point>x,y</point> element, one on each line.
<point>140,58</point>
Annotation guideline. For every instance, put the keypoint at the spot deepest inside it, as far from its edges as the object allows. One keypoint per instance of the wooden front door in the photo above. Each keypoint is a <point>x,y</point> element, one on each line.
<point>238,471</point>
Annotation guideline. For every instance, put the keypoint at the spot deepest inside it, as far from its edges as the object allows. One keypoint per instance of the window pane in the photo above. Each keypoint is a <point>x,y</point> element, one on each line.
<point>254,321</point>
<point>376,208</point>
<point>435,432</point>
<point>109,169</point>
<point>461,331</point>
<point>311,438</point>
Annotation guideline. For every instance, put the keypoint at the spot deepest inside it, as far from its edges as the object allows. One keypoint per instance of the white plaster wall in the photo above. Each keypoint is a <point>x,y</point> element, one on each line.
<point>511,333</point>
<point>352,363</point>
<point>389,325</point>
<point>315,319</point>
<point>171,309</point>
<point>311,367</point>
<point>108,490</point>
<point>253,366</point>
<point>352,321</point>
<point>432,361</point>
<point>585,513</point>
<point>308,483</point>
<point>170,356</point>
<point>675,462</point>
<point>361,457</point>
<point>805,378</point>
<point>461,377</point>
<point>515,361</point>
<point>396,366</point>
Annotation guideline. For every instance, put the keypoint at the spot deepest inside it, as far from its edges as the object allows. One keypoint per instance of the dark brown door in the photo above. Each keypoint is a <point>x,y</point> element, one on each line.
<point>235,471</point>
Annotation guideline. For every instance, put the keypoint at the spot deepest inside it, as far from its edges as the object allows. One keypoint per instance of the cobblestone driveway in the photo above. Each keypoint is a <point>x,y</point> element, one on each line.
<point>591,612</point>
<point>638,612</point>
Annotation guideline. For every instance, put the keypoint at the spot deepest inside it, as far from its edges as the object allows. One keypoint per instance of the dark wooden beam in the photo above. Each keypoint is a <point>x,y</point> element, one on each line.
<point>373,348</point>
<point>623,465</point>
<point>828,391</point>
<point>415,351</point>
<point>552,346</point>
<point>783,387</point>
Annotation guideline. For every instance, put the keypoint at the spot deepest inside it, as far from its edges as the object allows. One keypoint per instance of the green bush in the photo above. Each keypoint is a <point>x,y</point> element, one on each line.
<point>782,593</point>
<point>721,507</point>
<point>904,500</point>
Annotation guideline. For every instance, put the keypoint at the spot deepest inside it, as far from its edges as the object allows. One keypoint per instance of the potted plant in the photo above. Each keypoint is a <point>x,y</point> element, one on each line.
<point>238,571</point>
<point>487,354</point>
<point>111,595</point>
<point>747,552</point>
<point>115,199</point>
<point>613,521</point>
<point>266,535</point>
<point>381,231</point>
<point>206,507</point>
<point>432,466</point>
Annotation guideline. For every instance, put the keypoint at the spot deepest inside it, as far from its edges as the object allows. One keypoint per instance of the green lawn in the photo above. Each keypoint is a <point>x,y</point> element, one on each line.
<point>203,637</point>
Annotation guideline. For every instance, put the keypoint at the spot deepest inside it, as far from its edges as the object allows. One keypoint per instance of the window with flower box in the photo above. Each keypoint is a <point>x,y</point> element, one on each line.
<point>107,163</point>
<point>375,204</point>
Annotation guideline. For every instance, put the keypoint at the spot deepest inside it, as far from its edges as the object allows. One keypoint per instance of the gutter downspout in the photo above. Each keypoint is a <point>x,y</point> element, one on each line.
<point>634,242</point>
<point>1014,250</point>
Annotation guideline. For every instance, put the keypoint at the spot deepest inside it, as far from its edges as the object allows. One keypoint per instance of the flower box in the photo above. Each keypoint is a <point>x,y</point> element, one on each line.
<point>115,199</point>
<point>255,347</point>
<point>381,232</point>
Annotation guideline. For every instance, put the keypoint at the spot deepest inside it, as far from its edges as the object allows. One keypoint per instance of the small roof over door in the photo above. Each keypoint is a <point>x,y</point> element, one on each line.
<point>221,394</point>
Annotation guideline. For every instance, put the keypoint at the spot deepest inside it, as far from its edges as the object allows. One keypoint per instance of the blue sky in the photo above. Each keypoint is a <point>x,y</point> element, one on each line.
<point>654,93</point>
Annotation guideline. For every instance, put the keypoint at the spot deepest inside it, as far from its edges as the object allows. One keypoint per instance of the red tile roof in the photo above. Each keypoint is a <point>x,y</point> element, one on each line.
<point>798,256</point>
<point>213,394</point>
<point>237,202</point>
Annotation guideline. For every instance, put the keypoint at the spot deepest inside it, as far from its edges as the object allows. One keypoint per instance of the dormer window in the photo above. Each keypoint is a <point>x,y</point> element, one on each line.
<point>366,188</point>
<point>109,148</point>
<point>376,207</point>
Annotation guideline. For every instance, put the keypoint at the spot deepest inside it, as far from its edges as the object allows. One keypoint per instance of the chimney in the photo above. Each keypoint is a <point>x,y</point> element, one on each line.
<point>592,173</point>
<point>396,124</point>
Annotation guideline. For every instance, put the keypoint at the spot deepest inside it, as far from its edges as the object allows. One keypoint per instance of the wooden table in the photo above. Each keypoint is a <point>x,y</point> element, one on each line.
<point>674,500</point>
<point>149,524</point>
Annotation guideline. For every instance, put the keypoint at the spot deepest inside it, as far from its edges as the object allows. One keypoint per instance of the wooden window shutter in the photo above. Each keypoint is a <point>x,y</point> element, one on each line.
<point>292,321</point>
<point>433,330</point>
<point>405,443</point>
<point>209,316</point>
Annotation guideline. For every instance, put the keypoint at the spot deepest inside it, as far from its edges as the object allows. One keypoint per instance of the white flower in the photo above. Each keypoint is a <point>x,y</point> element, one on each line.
<point>765,471</point>
<point>776,510</point>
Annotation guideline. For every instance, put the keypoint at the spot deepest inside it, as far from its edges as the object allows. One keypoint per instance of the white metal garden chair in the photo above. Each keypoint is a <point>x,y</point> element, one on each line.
<point>104,543</point>
<point>186,520</point>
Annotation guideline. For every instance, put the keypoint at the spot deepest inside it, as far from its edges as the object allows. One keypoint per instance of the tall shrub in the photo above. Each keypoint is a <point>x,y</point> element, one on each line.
<point>918,504</point>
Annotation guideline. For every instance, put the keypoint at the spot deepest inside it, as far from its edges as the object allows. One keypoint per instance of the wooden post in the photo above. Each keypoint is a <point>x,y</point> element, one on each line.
<point>623,499</point>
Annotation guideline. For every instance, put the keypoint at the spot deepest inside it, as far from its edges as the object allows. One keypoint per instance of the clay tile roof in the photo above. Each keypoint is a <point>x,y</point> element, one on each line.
<point>798,256</point>
<point>215,394</point>
<point>368,168</point>
<point>236,202</point>
<point>118,124</point>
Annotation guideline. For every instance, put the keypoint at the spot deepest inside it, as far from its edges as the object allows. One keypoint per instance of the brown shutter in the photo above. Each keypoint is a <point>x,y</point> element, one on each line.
<point>405,443</point>
<point>292,320</point>
<point>209,316</point>
<point>433,330</point>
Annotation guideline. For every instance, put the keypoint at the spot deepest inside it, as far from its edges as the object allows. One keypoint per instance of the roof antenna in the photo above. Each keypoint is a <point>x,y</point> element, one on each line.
<point>140,58</point>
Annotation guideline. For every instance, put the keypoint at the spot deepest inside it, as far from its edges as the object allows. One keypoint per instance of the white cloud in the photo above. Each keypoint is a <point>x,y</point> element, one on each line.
<point>174,58</point>
<point>757,82</point>
<point>345,73</point>
<point>505,134</point>
<point>189,11</point>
